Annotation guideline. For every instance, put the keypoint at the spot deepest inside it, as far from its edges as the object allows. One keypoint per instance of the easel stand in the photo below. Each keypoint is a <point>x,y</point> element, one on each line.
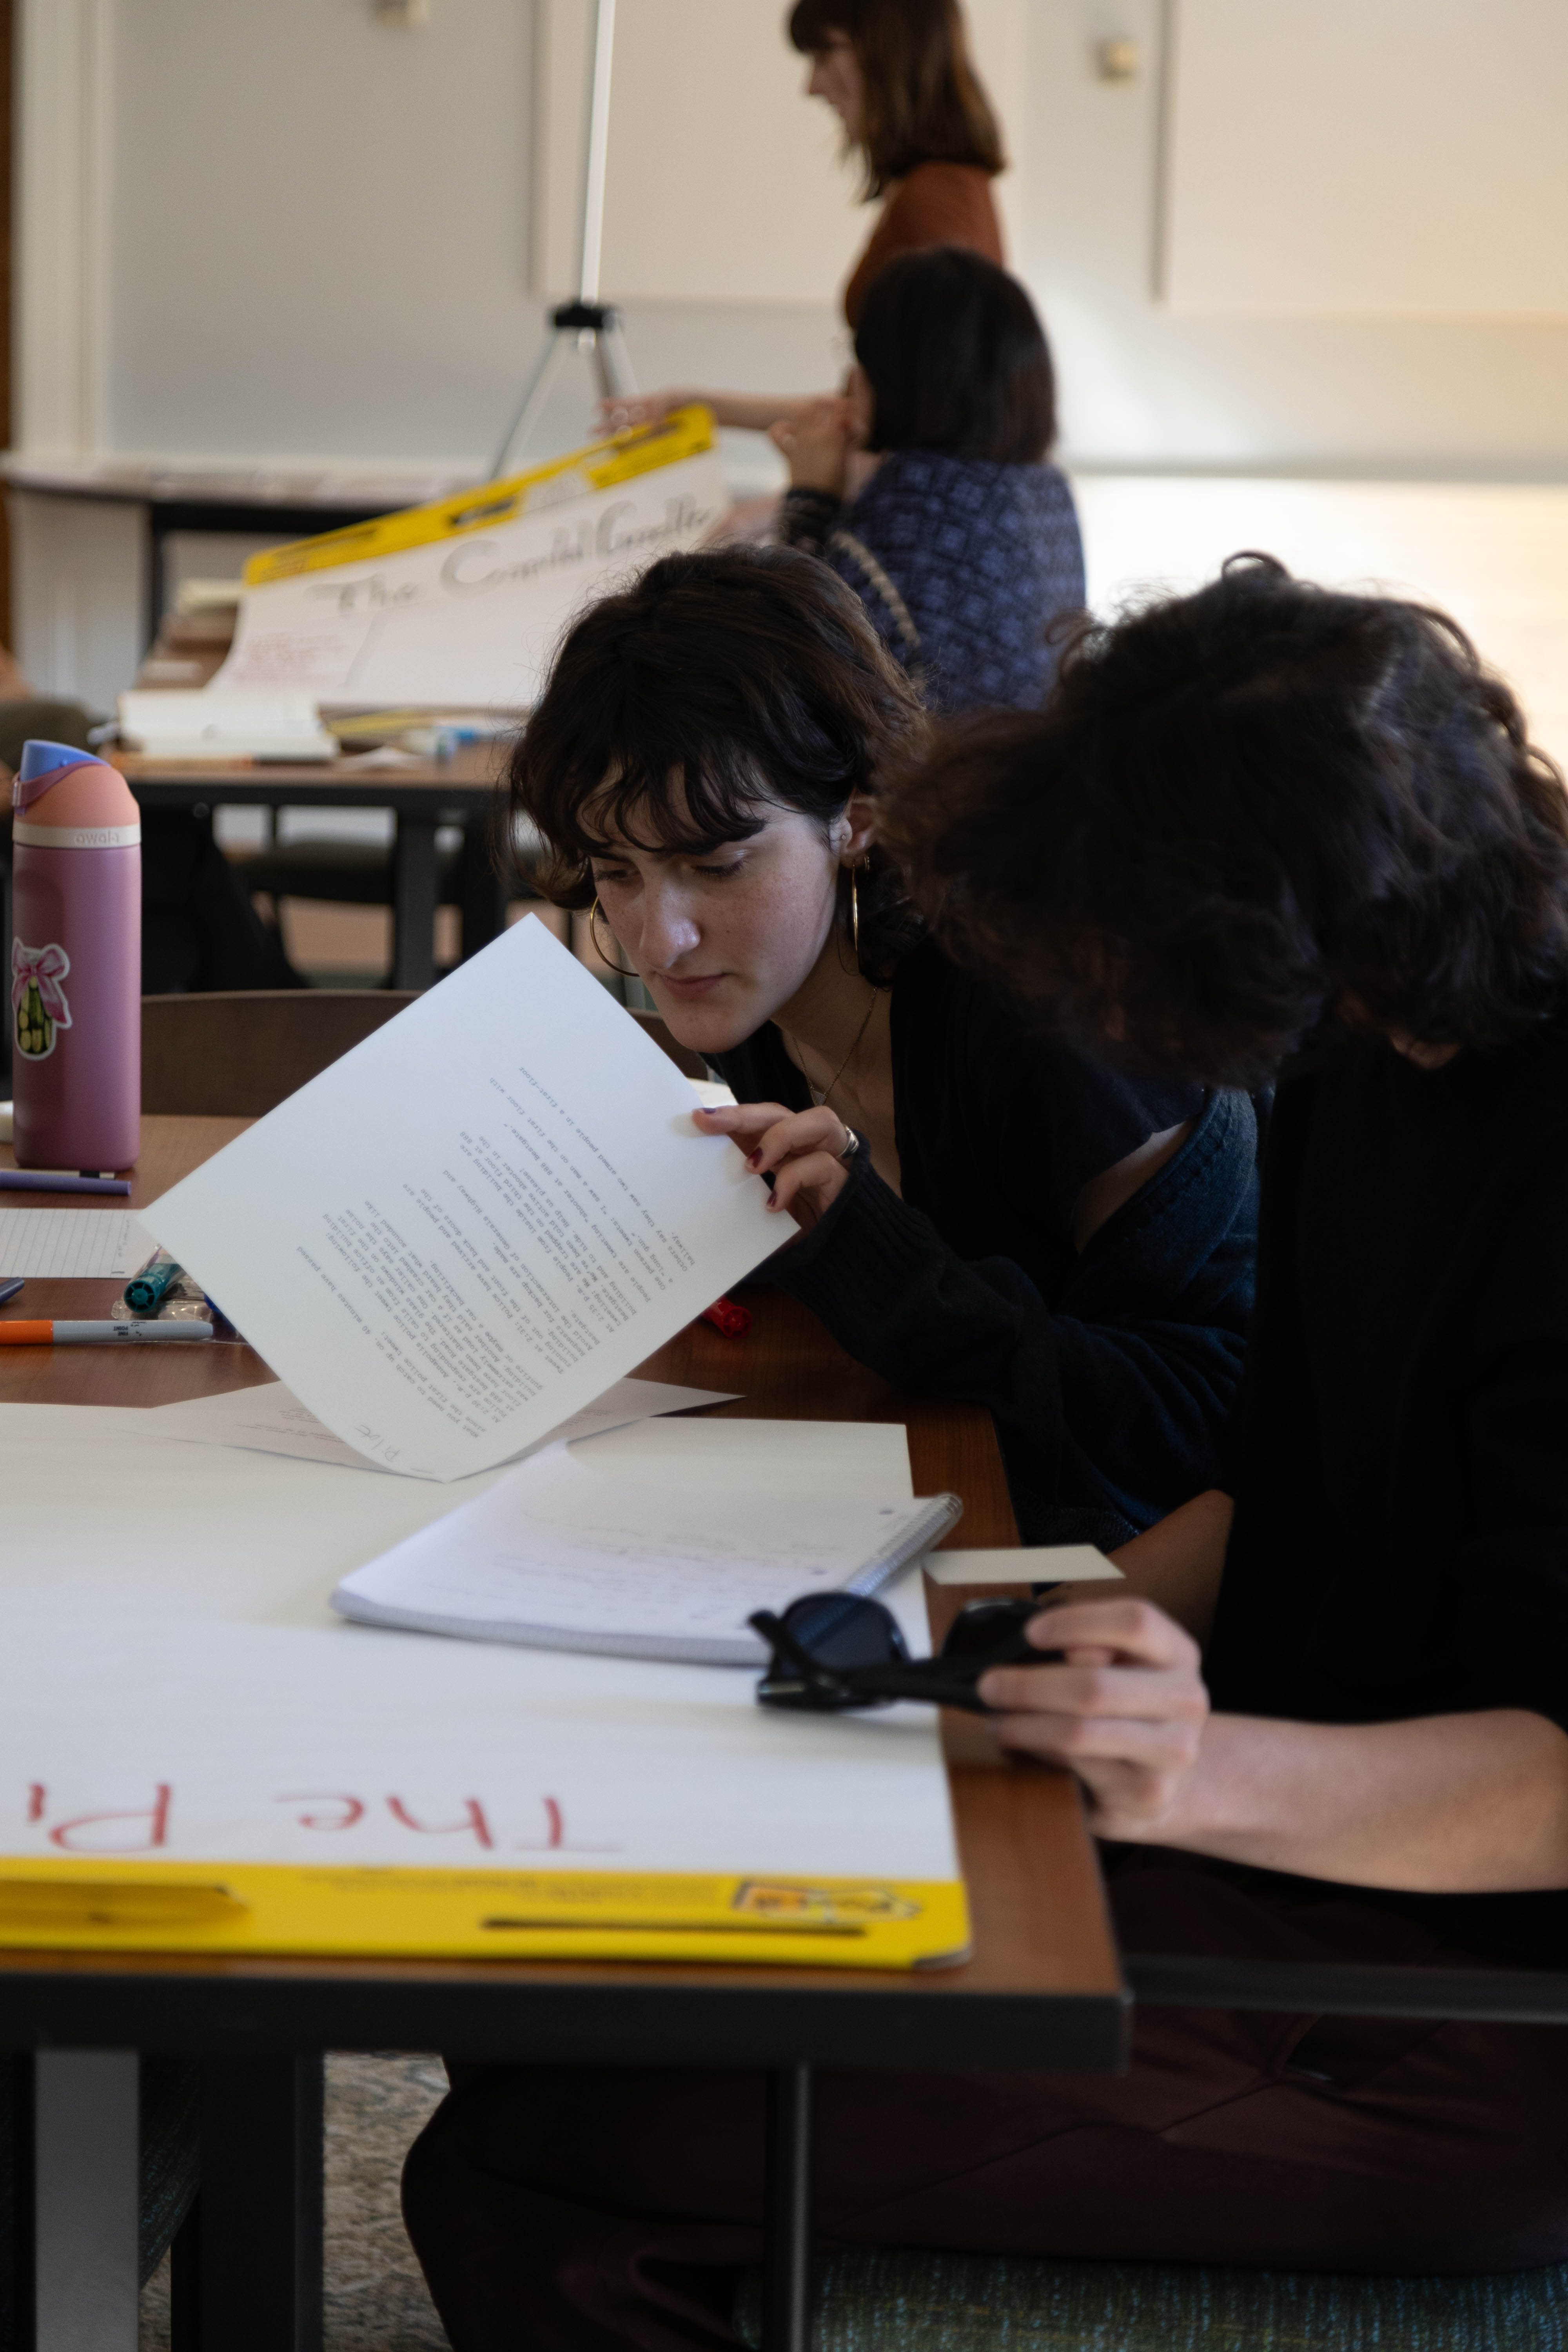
<point>594,330</point>
<point>590,328</point>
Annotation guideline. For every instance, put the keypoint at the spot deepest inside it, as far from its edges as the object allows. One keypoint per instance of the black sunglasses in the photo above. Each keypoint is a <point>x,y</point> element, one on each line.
<point>835,1650</point>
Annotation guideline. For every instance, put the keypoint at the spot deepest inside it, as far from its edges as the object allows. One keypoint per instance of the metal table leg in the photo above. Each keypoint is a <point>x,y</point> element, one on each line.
<point>86,2192</point>
<point>484,891</point>
<point>414,902</point>
<point>247,2263</point>
<point>790,2212</point>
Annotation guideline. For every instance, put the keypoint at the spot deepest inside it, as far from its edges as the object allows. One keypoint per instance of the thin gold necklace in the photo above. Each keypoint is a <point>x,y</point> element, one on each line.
<point>790,1040</point>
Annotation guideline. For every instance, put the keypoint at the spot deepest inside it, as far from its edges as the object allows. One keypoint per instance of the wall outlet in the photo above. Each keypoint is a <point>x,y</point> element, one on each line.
<point>1118,60</point>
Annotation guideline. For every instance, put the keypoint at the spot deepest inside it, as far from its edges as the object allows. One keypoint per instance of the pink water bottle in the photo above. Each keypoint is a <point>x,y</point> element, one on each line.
<point>76,962</point>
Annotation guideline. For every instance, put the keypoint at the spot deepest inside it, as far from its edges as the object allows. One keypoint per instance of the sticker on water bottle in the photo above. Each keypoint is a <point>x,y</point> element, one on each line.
<point>37,1000</point>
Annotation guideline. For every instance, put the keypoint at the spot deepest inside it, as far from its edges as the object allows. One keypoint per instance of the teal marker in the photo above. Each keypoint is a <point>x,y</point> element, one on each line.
<point>146,1288</point>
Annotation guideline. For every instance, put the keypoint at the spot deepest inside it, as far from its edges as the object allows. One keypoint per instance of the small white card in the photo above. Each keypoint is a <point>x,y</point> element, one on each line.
<point>65,1245</point>
<point>1024,1564</point>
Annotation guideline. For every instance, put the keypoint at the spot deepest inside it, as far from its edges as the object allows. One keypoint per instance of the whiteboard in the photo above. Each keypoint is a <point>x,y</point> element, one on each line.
<point>1366,158</point>
<point>724,183</point>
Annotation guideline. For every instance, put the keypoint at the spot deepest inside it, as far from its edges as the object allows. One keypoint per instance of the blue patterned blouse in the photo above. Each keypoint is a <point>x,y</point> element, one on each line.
<point>962,564</point>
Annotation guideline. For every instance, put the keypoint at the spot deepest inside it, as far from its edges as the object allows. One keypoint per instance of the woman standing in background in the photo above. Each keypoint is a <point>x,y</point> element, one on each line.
<point>897,75</point>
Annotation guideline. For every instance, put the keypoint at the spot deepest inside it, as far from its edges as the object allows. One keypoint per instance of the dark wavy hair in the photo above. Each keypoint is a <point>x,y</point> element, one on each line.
<point>957,359</point>
<point>1245,813</point>
<point>718,686</point>
<point>924,103</point>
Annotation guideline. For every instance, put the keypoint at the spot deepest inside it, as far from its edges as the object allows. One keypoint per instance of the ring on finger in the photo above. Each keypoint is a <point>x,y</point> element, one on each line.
<point>851,1145</point>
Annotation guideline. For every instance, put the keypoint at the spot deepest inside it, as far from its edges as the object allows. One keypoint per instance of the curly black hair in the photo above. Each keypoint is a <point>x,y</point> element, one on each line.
<point>717,685</point>
<point>1243,814</point>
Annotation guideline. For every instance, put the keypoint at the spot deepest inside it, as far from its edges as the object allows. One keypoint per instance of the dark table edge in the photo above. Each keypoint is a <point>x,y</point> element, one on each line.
<point>273,787</point>
<point>1346,1989</point>
<point>566,2023</point>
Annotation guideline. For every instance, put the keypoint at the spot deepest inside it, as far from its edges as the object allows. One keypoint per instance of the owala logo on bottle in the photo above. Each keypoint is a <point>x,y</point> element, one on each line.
<point>37,1000</point>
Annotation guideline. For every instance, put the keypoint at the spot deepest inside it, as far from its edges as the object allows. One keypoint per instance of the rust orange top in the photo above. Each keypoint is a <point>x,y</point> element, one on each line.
<point>936,203</point>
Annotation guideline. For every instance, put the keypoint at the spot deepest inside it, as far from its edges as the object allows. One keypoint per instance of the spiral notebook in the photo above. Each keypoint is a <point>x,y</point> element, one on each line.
<point>558,1556</point>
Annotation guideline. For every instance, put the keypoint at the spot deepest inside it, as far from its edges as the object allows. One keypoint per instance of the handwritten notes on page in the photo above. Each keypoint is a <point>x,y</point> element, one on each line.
<point>466,1230</point>
<point>55,1245</point>
<point>560,1556</point>
<point>272,1419</point>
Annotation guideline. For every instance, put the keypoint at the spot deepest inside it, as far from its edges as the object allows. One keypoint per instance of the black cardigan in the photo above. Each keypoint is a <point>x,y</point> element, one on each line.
<point>1400,1545</point>
<point>1110,1373</point>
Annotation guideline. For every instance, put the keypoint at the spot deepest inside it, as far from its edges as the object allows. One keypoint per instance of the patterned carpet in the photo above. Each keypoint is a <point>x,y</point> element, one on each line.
<point>375,2298</point>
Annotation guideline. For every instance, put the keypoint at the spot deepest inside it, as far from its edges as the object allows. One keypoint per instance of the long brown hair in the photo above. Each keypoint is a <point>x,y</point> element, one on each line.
<point>924,102</point>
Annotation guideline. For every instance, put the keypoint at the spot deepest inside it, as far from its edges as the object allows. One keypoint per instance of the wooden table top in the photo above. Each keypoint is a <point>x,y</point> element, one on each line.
<point>467,780</point>
<point>1041,1930</point>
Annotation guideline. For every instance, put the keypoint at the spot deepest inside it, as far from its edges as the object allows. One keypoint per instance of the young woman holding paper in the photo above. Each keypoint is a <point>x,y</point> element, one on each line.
<point>984,1214</point>
<point>1260,822</point>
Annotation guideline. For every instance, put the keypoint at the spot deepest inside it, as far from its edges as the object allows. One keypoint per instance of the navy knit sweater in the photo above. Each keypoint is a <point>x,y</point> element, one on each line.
<point>962,564</point>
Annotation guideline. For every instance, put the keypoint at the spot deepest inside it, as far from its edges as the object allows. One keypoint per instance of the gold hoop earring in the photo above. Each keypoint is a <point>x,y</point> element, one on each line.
<point>854,910</point>
<point>594,911</point>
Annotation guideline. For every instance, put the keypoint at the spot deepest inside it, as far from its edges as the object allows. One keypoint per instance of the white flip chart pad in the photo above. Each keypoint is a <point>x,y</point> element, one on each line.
<point>174,1693</point>
<point>468,1228</point>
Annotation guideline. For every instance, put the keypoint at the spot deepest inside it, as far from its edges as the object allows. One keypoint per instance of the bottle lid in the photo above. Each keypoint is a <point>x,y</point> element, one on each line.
<point>58,785</point>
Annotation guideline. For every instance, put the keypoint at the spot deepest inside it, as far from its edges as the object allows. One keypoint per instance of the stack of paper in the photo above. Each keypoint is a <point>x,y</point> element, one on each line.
<point>210,723</point>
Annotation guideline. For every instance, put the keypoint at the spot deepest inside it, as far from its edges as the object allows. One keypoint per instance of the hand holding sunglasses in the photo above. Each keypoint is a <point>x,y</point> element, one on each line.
<point>832,1651</point>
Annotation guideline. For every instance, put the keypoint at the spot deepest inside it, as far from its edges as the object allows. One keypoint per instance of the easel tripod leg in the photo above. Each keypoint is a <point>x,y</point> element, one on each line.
<point>789,2210</point>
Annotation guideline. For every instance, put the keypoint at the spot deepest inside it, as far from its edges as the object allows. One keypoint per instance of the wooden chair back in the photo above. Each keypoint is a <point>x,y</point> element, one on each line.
<point>237,1053</point>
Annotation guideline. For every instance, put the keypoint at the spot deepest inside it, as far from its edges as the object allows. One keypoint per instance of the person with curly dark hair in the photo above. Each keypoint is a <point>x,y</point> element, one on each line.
<point>1258,825</point>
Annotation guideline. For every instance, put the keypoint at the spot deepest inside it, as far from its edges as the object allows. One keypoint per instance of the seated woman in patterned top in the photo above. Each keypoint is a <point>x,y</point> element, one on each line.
<point>963,546</point>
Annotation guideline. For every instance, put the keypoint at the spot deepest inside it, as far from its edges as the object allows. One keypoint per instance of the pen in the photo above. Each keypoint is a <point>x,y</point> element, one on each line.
<point>10,1284</point>
<point>40,1180</point>
<point>144,1291</point>
<point>69,1335</point>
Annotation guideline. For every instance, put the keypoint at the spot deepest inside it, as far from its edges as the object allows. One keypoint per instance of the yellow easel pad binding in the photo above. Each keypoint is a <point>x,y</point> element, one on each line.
<point>563,1915</point>
<point>600,466</point>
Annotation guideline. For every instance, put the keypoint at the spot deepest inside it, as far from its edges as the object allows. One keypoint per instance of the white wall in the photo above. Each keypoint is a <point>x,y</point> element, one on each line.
<point>319,244</point>
<point>1143,386</point>
<point>288,231</point>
